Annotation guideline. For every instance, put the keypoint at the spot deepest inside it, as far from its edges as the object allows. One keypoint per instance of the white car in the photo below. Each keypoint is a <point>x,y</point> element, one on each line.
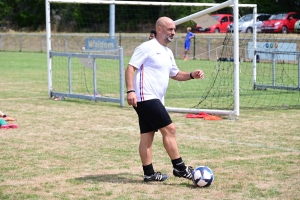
<point>246,23</point>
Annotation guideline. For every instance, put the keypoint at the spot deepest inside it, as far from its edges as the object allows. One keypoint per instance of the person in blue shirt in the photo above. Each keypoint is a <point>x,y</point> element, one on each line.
<point>187,43</point>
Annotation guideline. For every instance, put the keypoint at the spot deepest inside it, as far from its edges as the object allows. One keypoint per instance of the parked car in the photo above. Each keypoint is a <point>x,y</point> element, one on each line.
<point>297,27</point>
<point>223,19</point>
<point>280,23</point>
<point>246,23</point>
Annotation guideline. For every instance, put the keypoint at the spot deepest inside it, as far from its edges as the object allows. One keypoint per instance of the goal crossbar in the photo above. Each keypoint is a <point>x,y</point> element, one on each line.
<point>147,3</point>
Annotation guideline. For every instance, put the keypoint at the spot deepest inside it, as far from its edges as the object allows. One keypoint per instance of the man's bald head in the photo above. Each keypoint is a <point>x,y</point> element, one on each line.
<point>163,21</point>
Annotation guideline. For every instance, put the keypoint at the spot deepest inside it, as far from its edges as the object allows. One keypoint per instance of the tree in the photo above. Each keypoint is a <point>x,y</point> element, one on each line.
<point>19,14</point>
<point>30,14</point>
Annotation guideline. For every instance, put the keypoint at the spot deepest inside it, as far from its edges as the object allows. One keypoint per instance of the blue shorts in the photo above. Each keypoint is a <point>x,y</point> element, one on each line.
<point>152,115</point>
<point>187,45</point>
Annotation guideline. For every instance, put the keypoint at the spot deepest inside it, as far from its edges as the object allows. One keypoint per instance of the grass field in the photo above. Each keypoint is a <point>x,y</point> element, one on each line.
<point>76,149</point>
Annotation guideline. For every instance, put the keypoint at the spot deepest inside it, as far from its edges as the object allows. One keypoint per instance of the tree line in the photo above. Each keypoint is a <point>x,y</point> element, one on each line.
<point>29,15</point>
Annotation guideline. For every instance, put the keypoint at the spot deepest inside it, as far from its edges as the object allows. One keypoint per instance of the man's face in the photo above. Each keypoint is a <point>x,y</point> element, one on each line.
<point>168,31</point>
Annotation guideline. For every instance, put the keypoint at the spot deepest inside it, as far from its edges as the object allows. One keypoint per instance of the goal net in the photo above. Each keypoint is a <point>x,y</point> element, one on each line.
<point>269,68</point>
<point>272,82</point>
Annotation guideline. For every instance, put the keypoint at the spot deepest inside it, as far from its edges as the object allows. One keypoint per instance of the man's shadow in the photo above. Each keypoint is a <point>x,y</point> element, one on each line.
<point>111,178</point>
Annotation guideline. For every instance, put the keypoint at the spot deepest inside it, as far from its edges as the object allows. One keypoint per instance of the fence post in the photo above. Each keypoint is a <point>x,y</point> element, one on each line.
<point>208,48</point>
<point>194,57</point>
<point>66,44</point>
<point>120,39</point>
<point>20,42</point>
<point>245,50</point>
<point>42,43</point>
<point>176,47</point>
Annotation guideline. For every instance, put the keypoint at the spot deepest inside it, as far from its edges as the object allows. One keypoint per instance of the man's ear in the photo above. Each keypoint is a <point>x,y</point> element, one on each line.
<point>158,29</point>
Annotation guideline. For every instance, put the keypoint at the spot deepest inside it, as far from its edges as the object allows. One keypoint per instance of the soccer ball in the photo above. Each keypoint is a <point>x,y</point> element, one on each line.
<point>202,176</point>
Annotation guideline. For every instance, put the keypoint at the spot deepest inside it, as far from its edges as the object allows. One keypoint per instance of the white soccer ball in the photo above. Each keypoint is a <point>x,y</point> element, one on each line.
<point>83,48</point>
<point>202,176</point>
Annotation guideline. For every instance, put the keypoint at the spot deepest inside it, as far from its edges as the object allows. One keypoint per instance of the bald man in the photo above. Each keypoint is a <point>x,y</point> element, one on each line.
<point>147,77</point>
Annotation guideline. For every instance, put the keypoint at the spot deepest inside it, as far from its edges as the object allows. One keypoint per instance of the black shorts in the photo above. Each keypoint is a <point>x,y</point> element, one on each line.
<point>152,115</point>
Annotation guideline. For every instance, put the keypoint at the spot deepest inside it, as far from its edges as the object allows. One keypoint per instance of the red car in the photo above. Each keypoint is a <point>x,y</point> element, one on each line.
<point>280,23</point>
<point>223,19</point>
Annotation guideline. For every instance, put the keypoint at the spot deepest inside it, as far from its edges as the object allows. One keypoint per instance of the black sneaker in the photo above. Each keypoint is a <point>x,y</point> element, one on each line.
<point>187,173</point>
<point>157,176</point>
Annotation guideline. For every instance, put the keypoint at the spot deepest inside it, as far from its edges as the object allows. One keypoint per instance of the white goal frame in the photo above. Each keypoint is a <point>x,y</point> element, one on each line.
<point>213,7</point>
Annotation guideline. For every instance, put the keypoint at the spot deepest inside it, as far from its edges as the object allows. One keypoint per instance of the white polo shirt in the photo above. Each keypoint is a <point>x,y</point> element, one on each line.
<point>155,64</point>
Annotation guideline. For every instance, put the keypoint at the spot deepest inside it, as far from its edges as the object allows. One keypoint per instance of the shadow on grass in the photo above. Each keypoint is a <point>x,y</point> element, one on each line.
<point>111,178</point>
<point>125,178</point>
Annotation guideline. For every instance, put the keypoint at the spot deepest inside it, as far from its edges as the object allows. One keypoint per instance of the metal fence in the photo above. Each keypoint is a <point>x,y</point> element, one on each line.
<point>202,47</point>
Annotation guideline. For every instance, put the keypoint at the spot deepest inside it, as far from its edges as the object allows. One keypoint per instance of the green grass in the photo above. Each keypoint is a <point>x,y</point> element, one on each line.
<point>78,149</point>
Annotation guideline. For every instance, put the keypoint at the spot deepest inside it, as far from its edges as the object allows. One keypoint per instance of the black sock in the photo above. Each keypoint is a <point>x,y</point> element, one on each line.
<point>178,164</point>
<point>148,170</point>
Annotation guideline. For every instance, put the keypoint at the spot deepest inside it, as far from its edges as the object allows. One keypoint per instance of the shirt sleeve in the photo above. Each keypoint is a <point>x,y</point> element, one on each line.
<point>174,70</point>
<point>138,58</point>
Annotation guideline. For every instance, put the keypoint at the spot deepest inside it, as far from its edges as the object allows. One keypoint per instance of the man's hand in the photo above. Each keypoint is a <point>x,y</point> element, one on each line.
<point>132,99</point>
<point>198,74</point>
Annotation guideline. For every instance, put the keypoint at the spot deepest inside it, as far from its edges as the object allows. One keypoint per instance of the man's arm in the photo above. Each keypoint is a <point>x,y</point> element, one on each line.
<point>129,80</point>
<point>184,76</point>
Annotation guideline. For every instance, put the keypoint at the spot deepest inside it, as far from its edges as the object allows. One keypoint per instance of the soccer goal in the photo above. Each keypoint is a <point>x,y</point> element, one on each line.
<point>88,45</point>
<point>90,42</point>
